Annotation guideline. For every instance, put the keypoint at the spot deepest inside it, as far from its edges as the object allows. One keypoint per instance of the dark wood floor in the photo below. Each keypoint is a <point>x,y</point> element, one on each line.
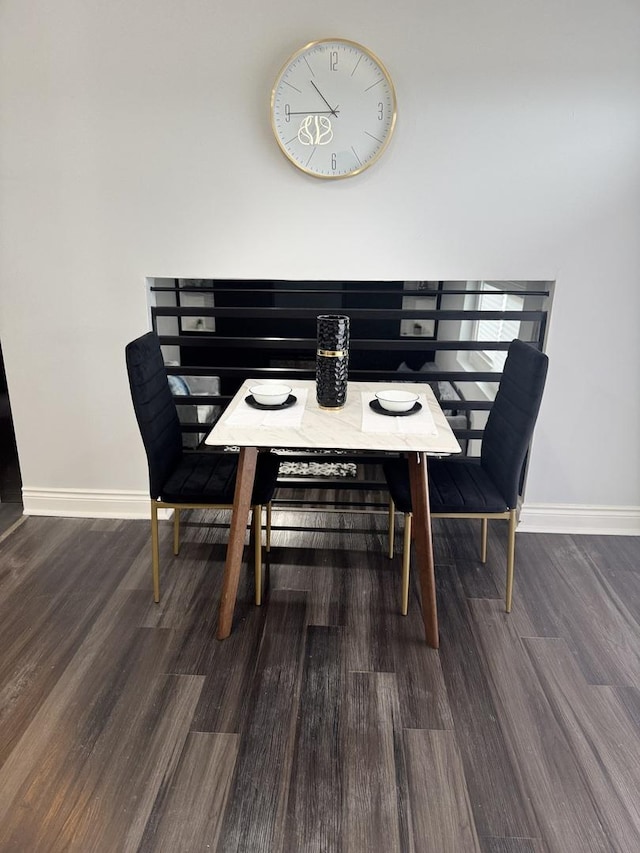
<point>323,723</point>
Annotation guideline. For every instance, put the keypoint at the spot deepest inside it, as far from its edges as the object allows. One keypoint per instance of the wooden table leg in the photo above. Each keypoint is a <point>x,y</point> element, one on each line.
<point>237,530</point>
<point>423,546</point>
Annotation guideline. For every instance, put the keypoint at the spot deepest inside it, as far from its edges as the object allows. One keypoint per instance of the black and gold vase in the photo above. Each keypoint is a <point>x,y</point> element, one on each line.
<point>332,361</point>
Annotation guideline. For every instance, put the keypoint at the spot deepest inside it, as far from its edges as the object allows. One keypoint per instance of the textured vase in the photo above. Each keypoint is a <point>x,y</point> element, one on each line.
<point>332,361</point>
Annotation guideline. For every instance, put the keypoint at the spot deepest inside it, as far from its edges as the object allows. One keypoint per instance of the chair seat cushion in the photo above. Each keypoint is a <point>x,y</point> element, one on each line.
<point>455,485</point>
<point>204,477</point>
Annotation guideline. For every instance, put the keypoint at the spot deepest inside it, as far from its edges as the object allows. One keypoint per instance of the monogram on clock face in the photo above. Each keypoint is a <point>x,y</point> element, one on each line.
<point>333,108</point>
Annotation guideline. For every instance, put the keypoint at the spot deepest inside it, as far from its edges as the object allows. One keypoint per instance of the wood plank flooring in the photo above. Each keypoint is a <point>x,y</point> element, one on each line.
<point>324,722</point>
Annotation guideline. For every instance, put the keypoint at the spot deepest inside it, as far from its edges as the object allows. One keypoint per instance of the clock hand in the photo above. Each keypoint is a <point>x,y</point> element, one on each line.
<point>332,110</point>
<point>314,112</point>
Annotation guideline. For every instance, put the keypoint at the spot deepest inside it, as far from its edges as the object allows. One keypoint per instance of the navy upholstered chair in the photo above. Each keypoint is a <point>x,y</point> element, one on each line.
<point>487,487</point>
<point>186,480</point>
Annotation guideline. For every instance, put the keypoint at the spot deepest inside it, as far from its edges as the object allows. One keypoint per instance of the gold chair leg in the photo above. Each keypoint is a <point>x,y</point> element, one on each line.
<point>176,531</point>
<point>257,551</point>
<point>511,557</point>
<point>155,559</point>
<point>406,562</point>
<point>392,527</point>
<point>269,508</point>
<point>484,530</point>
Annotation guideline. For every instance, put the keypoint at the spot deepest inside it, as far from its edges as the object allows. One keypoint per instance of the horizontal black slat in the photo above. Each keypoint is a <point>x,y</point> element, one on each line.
<point>206,341</point>
<point>293,503</point>
<point>329,482</point>
<point>223,401</point>
<point>242,373</point>
<point>202,399</point>
<point>195,427</point>
<point>466,405</point>
<point>354,313</point>
<point>206,427</point>
<point>239,288</point>
<point>406,342</point>
<point>369,457</point>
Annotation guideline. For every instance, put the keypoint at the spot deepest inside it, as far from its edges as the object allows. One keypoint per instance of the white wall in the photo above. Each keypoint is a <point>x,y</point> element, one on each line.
<point>135,141</point>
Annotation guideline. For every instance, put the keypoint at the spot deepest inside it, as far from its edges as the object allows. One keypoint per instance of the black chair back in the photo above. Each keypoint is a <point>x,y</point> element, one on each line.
<point>512,418</point>
<point>155,409</point>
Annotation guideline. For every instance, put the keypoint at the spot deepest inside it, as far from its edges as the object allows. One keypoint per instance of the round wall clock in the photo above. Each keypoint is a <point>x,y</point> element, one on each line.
<point>333,108</point>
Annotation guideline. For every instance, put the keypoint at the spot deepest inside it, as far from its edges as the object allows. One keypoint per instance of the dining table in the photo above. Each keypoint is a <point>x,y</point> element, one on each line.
<point>303,425</point>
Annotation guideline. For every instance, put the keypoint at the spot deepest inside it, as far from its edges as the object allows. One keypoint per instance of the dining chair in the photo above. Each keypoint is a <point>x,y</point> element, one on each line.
<point>181,479</point>
<point>484,487</point>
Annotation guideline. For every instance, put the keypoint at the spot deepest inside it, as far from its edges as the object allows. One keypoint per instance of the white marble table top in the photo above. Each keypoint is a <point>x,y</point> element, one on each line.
<point>354,427</point>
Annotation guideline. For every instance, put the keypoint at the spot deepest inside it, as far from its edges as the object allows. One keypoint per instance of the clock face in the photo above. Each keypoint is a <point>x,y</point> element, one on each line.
<point>333,108</point>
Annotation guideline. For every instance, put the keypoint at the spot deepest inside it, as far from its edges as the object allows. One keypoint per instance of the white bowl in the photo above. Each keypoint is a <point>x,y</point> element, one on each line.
<point>270,395</point>
<point>397,401</point>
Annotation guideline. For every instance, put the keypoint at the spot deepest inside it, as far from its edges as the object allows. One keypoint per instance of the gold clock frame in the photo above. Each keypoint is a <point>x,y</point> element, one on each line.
<point>383,147</point>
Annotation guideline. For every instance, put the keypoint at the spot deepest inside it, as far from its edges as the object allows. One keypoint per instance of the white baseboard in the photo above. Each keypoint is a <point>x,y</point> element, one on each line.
<point>534,518</point>
<point>577,518</point>
<point>85,503</point>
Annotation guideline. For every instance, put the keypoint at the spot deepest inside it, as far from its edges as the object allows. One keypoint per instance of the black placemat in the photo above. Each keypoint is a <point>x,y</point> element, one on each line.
<point>377,408</point>
<point>251,401</point>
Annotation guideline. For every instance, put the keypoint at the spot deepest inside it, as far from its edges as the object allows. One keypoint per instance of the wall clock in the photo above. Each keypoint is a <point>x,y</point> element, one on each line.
<point>333,108</point>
